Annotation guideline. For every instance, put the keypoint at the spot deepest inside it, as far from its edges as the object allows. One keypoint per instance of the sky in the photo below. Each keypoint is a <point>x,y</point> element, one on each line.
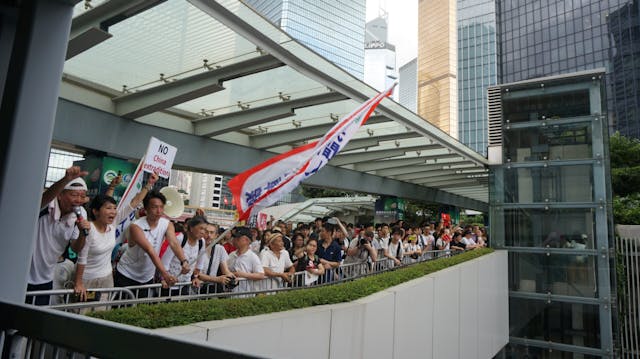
<point>403,26</point>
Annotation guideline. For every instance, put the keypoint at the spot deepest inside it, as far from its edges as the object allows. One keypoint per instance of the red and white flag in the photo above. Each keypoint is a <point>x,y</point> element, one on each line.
<point>264,184</point>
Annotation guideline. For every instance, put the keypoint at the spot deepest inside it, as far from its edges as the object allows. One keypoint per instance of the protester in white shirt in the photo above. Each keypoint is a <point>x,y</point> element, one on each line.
<point>276,262</point>
<point>395,251</point>
<point>193,247</point>
<point>243,263</point>
<point>58,226</point>
<point>138,264</point>
<point>93,268</point>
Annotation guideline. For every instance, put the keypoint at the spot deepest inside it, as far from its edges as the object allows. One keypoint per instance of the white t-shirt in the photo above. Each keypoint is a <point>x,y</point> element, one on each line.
<point>247,262</point>
<point>275,264</point>
<point>220,256</point>
<point>172,263</point>
<point>394,251</point>
<point>440,243</point>
<point>360,257</point>
<point>54,233</point>
<point>96,253</point>
<point>135,263</point>
<point>468,241</point>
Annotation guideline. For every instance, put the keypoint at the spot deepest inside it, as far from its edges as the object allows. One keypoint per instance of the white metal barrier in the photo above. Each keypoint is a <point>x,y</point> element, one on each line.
<point>185,291</point>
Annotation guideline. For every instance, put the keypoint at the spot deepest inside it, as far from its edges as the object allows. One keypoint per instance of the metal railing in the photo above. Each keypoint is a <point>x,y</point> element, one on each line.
<point>154,293</point>
<point>628,259</point>
<point>28,331</point>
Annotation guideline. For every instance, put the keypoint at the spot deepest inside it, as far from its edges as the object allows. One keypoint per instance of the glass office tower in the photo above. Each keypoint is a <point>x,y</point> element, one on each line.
<point>550,203</point>
<point>551,37</point>
<point>477,69</point>
<point>437,64</point>
<point>332,28</point>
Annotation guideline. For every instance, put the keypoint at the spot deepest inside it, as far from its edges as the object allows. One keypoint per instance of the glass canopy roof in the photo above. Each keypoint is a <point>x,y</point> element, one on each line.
<point>234,76</point>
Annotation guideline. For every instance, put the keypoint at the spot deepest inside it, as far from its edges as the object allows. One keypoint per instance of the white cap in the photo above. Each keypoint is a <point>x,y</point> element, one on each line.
<point>77,184</point>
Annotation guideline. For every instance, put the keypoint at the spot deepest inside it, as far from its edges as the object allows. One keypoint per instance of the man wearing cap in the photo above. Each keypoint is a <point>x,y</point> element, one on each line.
<point>58,225</point>
<point>243,263</point>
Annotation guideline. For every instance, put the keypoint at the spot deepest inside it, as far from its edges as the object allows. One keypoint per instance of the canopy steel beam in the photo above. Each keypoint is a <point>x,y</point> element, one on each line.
<point>373,141</point>
<point>253,28</point>
<point>287,137</point>
<point>436,174</point>
<point>453,184</point>
<point>90,28</point>
<point>90,128</point>
<point>393,163</point>
<point>138,104</point>
<point>212,126</point>
<point>349,158</point>
<point>423,168</point>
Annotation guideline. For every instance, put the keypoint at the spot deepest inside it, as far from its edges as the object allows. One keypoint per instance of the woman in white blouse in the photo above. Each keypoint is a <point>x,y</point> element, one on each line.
<point>93,269</point>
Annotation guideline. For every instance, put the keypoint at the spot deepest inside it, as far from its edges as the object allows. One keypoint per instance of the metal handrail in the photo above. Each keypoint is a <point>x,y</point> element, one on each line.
<point>23,335</point>
<point>184,291</point>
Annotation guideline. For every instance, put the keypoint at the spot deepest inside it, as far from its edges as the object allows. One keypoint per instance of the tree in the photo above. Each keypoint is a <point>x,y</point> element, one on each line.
<point>625,178</point>
<point>315,192</point>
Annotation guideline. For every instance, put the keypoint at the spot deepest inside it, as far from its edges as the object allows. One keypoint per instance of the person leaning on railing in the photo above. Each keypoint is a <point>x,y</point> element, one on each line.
<point>212,273</point>
<point>243,263</point>
<point>360,249</point>
<point>309,263</point>
<point>276,262</point>
<point>395,251</point>
<point>93,269</point>
<point>138,264</point>
<point>457,243</point>
<point>193,249</point>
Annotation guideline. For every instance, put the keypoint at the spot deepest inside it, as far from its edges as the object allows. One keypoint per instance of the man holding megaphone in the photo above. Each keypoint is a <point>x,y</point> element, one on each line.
<point>138,264</point>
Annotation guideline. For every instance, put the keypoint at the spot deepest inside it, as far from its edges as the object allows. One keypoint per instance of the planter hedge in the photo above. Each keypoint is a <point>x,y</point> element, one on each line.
<point>181,313</point>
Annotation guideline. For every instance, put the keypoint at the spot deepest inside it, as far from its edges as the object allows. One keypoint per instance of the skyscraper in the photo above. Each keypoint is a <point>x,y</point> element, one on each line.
<point>437,64</point>
<point>332,28</point>
<point>407,78</point>
<point>476,69</point>
<point>380,70</point>
<point>554,37</point>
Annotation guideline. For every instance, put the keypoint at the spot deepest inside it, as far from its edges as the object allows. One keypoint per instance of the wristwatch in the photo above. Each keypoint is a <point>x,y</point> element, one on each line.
<point>184,260</point>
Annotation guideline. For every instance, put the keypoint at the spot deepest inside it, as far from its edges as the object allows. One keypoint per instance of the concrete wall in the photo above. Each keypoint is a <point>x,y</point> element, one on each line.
<point>459,312</point>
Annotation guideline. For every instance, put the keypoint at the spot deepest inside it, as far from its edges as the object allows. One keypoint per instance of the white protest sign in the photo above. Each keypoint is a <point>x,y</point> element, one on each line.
<point>159,158</point>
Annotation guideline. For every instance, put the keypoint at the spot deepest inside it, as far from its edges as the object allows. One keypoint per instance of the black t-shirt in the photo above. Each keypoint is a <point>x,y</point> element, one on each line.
<point>307,262</point>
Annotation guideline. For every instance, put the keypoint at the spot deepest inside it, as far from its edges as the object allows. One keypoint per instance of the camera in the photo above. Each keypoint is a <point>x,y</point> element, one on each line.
<point>362,241</point>
<point>232,283</point>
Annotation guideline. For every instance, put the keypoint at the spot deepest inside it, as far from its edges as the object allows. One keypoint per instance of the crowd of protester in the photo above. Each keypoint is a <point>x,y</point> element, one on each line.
<point>244,259</point>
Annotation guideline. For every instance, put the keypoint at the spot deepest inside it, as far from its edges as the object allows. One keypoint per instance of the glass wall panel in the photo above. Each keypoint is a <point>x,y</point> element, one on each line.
<point>553,228</point>
<point>524,109</point>
<point>549,184</point>
<point>551,142</point>
<point>558,274</point>
<point>567,323</point>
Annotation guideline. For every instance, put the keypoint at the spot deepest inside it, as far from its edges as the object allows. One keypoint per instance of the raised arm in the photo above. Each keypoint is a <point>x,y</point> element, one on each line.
<point>55,189</point>
<point>135,201</point>
<point>113,184</point>
<point>344,230</point>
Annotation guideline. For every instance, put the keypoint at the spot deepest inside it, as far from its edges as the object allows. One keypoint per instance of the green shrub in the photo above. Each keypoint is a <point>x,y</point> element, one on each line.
<point>182,313</point>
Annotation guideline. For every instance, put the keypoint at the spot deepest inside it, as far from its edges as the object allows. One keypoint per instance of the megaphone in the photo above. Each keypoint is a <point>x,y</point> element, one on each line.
<point>174,206</point>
